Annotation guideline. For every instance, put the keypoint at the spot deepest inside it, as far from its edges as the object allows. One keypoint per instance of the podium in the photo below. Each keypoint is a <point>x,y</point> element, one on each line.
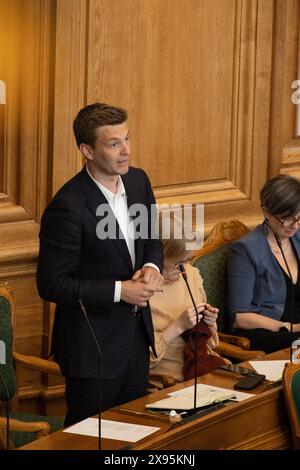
<point>259,423</point>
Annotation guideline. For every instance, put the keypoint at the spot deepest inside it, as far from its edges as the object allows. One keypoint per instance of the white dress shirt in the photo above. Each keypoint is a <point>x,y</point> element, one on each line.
<point>118,204</point>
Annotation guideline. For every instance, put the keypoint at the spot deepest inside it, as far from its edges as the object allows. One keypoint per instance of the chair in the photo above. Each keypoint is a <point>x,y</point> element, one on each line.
<point>211,261</point>
<point>24,427</point>
<point>291,390</point>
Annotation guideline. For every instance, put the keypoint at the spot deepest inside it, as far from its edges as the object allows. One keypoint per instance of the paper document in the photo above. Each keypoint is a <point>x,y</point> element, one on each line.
<point>271,369</point>
<point>184,399</point>
<point>112,430</point>
<point>203,388</point>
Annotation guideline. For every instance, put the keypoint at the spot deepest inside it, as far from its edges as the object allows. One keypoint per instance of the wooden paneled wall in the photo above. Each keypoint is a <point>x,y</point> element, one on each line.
<point>27,46</point>
<point>207,84</point>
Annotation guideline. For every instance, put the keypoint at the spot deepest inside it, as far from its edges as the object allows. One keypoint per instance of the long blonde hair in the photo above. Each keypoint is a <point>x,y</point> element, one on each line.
<point>174,241</point>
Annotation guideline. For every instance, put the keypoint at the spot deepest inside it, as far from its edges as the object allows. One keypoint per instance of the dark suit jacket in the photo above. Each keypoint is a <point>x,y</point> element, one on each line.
<point>75,264</point>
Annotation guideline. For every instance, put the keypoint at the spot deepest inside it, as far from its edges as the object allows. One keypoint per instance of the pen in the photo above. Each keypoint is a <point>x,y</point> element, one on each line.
<point>133,412</point>
<point>140,413</point>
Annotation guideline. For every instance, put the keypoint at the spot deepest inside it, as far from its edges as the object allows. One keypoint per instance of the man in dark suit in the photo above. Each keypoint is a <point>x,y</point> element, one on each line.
<point>92,260</point>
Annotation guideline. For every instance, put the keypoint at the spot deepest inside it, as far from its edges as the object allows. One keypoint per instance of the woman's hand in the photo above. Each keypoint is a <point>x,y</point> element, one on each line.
<point>188,318</point>
<point>210,314</point>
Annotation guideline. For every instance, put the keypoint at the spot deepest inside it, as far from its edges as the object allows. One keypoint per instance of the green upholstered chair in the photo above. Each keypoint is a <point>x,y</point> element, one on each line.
<point>212,267</point>
<point>211,260</point>
<point>291,389</point>
<point>23,427</point>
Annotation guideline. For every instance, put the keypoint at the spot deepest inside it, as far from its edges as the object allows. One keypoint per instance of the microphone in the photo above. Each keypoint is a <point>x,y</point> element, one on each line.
<point>99,369</point>
<point>183,273</point>
<point>278,241</point>
<point>7,410</point>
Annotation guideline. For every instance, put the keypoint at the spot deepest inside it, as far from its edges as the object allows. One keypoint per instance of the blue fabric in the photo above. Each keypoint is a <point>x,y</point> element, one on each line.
<point>255,280</point>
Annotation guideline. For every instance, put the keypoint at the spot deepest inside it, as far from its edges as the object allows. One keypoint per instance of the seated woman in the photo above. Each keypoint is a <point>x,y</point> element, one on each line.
<point>173,315</point>
<point>263,267</point>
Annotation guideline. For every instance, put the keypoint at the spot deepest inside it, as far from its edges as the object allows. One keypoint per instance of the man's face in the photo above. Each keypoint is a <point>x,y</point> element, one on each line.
<point>110,155</point>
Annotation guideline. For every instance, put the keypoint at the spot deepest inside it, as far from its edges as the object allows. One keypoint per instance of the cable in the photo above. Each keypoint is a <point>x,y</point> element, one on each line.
<point>278,241</point>
<point>99,370</point>
<point>7,411</point>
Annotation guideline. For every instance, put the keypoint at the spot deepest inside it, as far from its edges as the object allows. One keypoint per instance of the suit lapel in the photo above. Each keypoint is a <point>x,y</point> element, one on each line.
<point>95,198</point>
<point>133,194</point>
<point>296,244</point>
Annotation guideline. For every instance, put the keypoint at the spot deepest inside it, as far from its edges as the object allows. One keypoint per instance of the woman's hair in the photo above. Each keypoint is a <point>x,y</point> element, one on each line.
<point>175,239</point>
<point>281,196</point>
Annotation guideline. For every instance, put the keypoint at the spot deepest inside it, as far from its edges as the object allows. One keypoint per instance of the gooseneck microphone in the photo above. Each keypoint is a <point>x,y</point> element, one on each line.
<point>183,273</point>
<point>7,410</point>
<point>278,241</point>
<point>99,370</point>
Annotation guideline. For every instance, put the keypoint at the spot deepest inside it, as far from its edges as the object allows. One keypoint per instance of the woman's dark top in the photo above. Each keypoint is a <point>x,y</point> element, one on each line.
<point>287,314</point>
<point>270,341</point>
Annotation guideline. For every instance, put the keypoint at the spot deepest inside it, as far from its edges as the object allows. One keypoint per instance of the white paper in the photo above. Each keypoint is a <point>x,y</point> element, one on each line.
<point>184,399</point>
<point>112,430</point>
<point>271,369</point>
<point>204,388</point>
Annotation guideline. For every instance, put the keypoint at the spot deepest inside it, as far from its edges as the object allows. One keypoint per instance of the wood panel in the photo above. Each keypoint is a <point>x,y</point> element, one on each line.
<point>70,95</point>
<point>26,138</point>
<point>200,131</point>
<point>284,150</point>
<point>260,422</point>
<point>26,68</point>
<point>172,68</point>
<point>193,99</point>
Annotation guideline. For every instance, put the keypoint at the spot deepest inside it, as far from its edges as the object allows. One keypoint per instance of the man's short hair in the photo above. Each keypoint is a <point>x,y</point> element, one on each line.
<point>93,116</point>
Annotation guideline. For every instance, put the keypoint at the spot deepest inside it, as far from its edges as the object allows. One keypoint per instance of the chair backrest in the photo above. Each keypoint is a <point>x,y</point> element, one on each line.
<point>211,260</point>
<point>7,372</point>
<point>291,389</point>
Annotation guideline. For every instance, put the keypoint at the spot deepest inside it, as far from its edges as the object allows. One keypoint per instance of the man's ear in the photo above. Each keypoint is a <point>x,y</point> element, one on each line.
<point>86,151</point>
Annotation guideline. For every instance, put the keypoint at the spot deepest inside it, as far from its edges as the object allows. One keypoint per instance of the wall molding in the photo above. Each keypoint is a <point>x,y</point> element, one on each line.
<point>70,86</point>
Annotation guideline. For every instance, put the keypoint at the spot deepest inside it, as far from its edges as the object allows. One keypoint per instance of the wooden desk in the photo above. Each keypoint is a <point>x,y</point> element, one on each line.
<point>257,423</point>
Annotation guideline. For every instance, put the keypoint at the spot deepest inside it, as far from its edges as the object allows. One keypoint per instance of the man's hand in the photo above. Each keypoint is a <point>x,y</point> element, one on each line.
<point>148,275</point>
<point>137,292</point>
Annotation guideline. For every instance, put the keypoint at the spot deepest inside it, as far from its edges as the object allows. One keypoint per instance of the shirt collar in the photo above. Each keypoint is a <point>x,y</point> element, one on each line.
<point>120,186</point>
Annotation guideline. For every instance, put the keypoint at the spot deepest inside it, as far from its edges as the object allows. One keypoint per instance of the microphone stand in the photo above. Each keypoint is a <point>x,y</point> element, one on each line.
<point>183,273</point>
<point>7,411</point>
<point>99,370</point>
<point>278,241</point>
